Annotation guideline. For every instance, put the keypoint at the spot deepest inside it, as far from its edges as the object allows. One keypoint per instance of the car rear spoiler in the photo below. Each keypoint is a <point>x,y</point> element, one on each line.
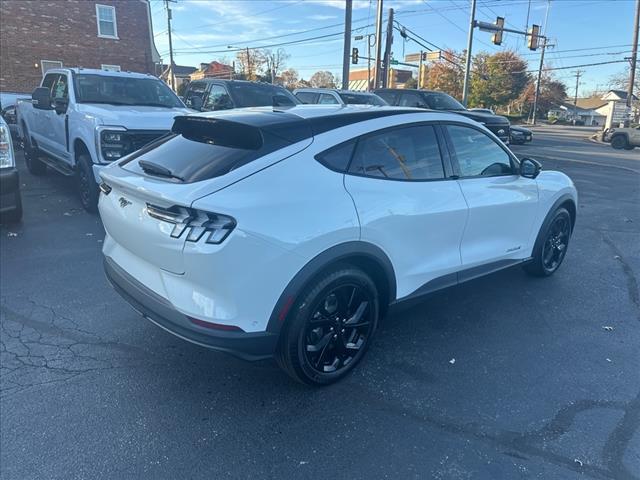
<point>280,129</point>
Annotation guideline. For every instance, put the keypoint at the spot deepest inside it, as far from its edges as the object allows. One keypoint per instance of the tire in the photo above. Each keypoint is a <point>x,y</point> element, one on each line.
<point>326,334</point>
<point>87,186</point>
<point>629,147</point>
<point>15,215</point>
<point>619,142</point>
<point>551,245</point>
<point>31,154</point>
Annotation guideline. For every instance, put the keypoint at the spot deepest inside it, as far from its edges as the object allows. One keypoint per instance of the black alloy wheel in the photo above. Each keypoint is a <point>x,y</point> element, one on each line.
<point>338,328</point>
<point>556,243</point>
<point>330,327</point>
<point>551,245</point>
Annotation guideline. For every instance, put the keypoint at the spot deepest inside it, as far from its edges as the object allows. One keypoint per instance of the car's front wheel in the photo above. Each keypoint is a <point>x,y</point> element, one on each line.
<point>87,186</point>
<point>619,142</point>
<point>551,245</point>
<point>330,328</point>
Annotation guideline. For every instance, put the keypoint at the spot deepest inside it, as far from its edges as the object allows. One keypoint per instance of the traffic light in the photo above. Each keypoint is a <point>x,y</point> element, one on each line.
<point>534,38</point>
<point>354,55</point>
<point>497,37</point>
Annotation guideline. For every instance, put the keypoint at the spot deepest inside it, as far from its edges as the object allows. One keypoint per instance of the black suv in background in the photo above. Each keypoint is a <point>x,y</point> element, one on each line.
<point>441,101</point>
<point>210,94</point>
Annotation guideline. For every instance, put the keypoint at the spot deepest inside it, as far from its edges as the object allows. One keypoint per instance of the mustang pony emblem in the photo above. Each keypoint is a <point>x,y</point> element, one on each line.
<point>124,202</point>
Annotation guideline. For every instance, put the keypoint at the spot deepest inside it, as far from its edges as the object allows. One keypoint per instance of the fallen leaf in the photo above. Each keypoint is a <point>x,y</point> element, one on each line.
<point>303,462</point>
<point>608,328</point>
<point>89,234</point>
<point>452,361</point>
<point>579,462</point>
<point>609,360</point>
<point>66,214</point>
<point>12,234</point>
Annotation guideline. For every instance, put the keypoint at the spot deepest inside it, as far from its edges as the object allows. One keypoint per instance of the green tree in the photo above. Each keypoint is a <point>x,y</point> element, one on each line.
<point>552,93</point>
<point>497,80</point>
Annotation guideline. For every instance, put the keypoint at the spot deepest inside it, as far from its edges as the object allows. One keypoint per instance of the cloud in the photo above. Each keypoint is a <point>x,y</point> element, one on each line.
<point>320,18</point>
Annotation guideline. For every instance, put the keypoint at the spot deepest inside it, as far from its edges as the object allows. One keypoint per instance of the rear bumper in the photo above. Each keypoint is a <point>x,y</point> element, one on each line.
<point>248,346</point>
<point>9,189</point>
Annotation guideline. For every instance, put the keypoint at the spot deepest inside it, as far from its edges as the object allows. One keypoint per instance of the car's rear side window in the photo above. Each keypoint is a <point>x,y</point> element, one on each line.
<point>403,153</point>
<point>307,97</point>
<point>338,157</point>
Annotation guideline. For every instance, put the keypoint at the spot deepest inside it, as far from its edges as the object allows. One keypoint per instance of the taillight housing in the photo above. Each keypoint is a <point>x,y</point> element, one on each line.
<point>6,149</point>
<point>194,224</point>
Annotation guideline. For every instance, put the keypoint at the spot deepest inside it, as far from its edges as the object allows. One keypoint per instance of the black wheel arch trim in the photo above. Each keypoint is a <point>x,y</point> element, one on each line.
<point>547,219</point>
<point>342,252</point>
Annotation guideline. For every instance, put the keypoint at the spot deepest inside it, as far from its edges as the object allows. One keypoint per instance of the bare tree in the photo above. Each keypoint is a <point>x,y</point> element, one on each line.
<point>251,63</point>
<point>323,79</point>
<point>274,62</point>
<point>289,78</point>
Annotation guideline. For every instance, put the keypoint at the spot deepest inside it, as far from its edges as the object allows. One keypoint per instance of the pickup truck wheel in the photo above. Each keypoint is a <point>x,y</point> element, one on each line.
<point>328,332</point>
<point>551,245</point>
<point>619,142</point>
<point>87,186</point>
<point>34,165</point>
<point>629,147</point>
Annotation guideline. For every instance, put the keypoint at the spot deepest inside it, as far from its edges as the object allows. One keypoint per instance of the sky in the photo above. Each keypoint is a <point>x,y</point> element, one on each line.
<point>582,31</point>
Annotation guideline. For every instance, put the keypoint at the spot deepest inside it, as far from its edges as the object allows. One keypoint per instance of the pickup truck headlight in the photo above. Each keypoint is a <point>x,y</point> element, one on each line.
<point>6,150</point>
<point>113,143</point>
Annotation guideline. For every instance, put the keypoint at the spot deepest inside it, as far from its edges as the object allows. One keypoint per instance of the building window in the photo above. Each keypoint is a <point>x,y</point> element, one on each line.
<point>49,64</point>
<point>106,18</point>
<point>110,68</point>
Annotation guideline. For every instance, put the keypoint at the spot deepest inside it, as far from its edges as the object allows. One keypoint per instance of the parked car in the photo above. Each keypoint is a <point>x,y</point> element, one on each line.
<point>332,96</point>
<point>520,135</point>
<point>10,199</point>
<point>627,138</point>
<point>8,102</point>
<point>483,110</point>
<point>289,233</point>
<point>211,94</point>
<point>80,120</point>
<point>432,100</point>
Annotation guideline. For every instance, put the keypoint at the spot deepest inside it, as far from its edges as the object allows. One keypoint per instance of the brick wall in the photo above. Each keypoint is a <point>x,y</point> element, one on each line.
<point>66,30</point>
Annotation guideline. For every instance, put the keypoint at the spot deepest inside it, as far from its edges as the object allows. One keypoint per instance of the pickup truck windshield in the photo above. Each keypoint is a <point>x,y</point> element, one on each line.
<point>120,90</point>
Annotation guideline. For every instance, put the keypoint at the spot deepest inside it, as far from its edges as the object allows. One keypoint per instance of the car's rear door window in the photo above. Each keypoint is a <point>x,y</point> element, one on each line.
<point>403,153</point>
<point>327,99</point>
<point>307,97</point>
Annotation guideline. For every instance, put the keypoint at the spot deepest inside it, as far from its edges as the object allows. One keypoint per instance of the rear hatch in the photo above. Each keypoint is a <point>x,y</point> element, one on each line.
<point>203,155</point>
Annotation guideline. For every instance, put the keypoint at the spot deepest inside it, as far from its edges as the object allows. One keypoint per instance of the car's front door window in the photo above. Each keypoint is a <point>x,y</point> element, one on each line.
<point>478,155</point>
<point>217,99</point>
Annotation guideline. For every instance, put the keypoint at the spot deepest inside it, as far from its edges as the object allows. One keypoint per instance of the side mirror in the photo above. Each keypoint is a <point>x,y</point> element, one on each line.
<point>530,168</point>
<point>196,102</point>
<point>41,98</point>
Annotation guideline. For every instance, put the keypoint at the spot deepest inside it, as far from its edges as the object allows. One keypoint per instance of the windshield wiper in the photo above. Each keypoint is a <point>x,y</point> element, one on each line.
<point>155,169</point>
<point>151,105</point>
<point>107,102</point>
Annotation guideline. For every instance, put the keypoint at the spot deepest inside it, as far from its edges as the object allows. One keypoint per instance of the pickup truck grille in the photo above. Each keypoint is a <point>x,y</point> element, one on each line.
<point>140,138</point>
<point>500,131</point>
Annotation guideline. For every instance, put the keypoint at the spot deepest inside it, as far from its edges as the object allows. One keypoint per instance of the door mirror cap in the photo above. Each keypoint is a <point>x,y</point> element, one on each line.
<point>530,168</point>
<point>41,98</point>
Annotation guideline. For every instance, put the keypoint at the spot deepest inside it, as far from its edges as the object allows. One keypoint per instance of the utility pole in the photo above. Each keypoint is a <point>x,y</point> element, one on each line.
<point>634,55</point>
<point>537,95</point>
<point>420,70</point>
<point>376,73</point>
<point>467,68</point>
<point>173,77</point>
<point>248,65</point>
<point>346,55</point>
<point>387,50</point>
<point>369,37</point>
<point>578,74</point>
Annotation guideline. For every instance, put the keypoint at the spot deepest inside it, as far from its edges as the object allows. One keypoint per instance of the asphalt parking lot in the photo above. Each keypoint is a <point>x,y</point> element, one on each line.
<point>502,378</point>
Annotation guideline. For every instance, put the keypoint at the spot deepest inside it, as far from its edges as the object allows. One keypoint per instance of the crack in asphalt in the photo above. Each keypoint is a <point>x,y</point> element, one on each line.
<point>632,282</point>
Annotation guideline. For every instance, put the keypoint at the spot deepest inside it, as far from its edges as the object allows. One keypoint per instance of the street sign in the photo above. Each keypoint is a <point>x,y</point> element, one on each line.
<point>394,62</point>
<point>435,55</point>
<point>412,57</point>
<point>487,27</point>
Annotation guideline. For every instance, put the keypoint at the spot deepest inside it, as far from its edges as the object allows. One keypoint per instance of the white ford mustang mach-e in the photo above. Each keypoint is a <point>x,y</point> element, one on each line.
<point>265,233</point>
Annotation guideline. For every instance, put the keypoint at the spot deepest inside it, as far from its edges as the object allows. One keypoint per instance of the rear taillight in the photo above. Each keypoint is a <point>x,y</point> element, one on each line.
<point>195,224</point>
<point>6,150</point>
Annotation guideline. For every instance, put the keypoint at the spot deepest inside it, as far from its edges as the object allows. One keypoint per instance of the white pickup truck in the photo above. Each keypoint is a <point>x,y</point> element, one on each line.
<point>80,120</point>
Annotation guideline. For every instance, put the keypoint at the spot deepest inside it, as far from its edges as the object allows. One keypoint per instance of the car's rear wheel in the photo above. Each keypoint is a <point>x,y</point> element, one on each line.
<point>330,328</point>
<point>551,245</point>
<point>31,154</point>
<point>87,186</point>
<point>619,142</point>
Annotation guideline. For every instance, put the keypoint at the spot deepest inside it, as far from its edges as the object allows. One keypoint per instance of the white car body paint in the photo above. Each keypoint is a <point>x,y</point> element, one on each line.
<point>290,208</point>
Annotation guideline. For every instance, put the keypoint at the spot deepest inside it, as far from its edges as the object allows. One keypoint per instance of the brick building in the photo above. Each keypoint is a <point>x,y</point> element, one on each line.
<point>36,35</point>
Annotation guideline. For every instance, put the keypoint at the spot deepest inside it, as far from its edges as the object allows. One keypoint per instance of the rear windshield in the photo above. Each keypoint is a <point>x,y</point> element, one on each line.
<point>361,99</point>
<point>442,101</point>
<point>256,95</point>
